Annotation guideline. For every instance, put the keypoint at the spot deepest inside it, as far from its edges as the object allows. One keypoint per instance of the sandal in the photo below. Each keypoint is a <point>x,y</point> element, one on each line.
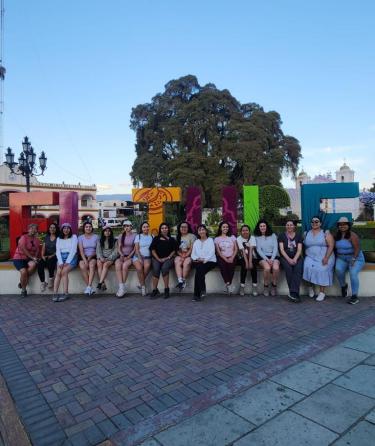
<point>266,290</point>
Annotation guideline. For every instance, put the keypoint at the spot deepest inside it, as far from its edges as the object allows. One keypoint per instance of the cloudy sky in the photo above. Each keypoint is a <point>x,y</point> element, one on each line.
<point>76,68</point>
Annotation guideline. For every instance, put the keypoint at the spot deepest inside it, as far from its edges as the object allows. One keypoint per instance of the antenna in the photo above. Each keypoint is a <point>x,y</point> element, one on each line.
<point>2,77</point>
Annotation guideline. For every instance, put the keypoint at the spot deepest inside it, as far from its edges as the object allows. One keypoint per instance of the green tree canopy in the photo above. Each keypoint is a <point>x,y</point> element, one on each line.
<point>202,136</point>
<point>271,199</point>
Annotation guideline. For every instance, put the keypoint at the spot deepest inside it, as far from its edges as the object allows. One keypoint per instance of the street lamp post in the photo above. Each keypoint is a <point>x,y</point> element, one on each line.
<point>26,162</point>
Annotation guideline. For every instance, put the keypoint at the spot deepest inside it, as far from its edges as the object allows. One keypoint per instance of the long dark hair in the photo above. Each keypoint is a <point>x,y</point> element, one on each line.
<point>57,233</point>
<point>339,235</point>
<point>268,228</point>
<point>164,224</point>
<point>190,231</point>
<point>111,239</point>
<point>219,232</point>
<point>61,235</point>
<point>140,227</point>
<point>245,226</point>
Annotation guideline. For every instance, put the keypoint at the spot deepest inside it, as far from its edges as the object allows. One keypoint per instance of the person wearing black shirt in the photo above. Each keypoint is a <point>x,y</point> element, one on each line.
<point>290,247</point>
<point>163,249</point>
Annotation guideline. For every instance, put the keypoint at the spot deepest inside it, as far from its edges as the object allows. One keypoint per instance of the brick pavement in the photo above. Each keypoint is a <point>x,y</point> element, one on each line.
<point>89,369</point>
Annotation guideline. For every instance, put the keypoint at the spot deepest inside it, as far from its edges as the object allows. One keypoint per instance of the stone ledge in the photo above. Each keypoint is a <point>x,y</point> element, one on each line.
<point>9,278</point>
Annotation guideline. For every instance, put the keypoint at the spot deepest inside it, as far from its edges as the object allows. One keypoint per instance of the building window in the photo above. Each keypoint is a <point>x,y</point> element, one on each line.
<point>84,203</point>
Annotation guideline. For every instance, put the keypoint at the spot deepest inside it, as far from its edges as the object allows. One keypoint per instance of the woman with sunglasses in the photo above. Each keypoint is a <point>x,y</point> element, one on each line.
<point>142,257</point>
<point>349,257</point>
<point>106,254</point>
<point>182,261</point>
<point>163,249</point>
<point>87,250</point>
<point>48,257</point>
<point>319,259</point>
<point>67,259</point>
<point>125,250</point>
<point>26,256</point>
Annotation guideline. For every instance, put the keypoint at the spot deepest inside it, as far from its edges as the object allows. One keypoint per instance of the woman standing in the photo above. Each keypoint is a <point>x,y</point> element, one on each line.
<point>226,250</point>
<point>26,256</point>
<point>163,249</point>
<point>182,262</point>
<point>268,253</point>
<point>106,254</point>
<point>246,247</point>
<point>87,250</point>
<point>319,259</point>
<point>67,259</point>
<point>125,249</point>
<point>349,257</point>
<point>204,258</point>
<point>142,257</point>
<point>48,257</point>
<point>290,246</point>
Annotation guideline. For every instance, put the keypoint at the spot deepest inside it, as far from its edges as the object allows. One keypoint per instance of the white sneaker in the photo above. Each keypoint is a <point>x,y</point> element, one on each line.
<point>87,290</point>
<point>227,288</point>
<point>43,287</point>
<point>266,291</point>
<point>242,290</point>
<point>255,288</point>
<point>311,292</point>
<point>321,296</point>
<point>121,290</point>
<point>92,291</point>
<point>230,289</point>
<point>143,291</point>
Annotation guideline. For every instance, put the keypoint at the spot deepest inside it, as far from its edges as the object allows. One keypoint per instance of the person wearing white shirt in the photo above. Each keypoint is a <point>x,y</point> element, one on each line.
<point>67,259</point>
<point>204,258</point>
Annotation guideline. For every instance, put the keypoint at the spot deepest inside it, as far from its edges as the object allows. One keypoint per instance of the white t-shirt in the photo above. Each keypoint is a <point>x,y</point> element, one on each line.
<point>144,244</point>
<point>249,243</point>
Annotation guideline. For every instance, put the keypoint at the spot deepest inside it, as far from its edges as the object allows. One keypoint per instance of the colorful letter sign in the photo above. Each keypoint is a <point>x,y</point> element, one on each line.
<point>311,194</point>
<point>155,197</point>
<point>20,204</point>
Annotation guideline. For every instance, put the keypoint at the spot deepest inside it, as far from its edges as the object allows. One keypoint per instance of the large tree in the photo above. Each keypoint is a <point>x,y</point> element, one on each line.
<point>202,136</point>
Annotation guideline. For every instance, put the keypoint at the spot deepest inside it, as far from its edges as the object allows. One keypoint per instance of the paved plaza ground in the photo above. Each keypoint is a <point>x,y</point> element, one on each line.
<point>227,371</point>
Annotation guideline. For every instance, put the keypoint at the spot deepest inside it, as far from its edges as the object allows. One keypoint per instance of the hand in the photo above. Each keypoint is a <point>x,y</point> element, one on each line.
<point>270,262</point>
<point>325,260</point>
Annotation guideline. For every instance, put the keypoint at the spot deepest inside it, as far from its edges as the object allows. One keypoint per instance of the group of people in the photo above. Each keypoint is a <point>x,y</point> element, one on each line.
<point>312,256</point>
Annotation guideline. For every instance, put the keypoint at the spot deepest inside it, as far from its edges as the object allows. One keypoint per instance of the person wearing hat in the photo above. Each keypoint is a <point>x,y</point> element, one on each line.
<point>349,257</point>
<point>67,259</point>
<point>106,254</point>
<point>26,256</point>
<point>125,249</point>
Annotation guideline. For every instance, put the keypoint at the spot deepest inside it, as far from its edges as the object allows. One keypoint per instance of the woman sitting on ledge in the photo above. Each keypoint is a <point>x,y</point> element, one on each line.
<point>106,254</point>
<point>67,259</point>
<point>204,258</point>
<point>26,256</point>
<point>349,258</point>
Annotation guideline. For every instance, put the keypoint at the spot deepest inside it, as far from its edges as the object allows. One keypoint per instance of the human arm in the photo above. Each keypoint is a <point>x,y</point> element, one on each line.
<point>99,251</point>
<point>330,247</point>
<point>356,245</point>
<point>275,250</point>
<point>58,251</point>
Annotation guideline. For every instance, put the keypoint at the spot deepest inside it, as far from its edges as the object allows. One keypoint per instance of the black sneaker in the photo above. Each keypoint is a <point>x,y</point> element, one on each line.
<point>292,297</point>
<point>155,294</point>
<point>99,286</point>
<point>353,300</point>
<point>180,286</point>
<point>166,293</point>
<point>344,290</point>
<point>23,293</point>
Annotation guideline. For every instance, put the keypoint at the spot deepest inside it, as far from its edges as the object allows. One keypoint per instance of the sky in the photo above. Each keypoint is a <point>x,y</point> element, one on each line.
<point>76,68</point>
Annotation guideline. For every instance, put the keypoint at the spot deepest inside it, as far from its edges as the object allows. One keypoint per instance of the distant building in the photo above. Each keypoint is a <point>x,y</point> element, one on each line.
<point>115,206</point>
<point>344,175</point>
<point>87,207</point>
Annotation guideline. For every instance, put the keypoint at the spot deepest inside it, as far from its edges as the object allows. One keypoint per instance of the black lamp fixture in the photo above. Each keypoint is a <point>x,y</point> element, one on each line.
<point>26,162</point>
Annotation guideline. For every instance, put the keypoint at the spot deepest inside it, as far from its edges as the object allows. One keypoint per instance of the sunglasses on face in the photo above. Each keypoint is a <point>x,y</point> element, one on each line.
<point>315,221</point>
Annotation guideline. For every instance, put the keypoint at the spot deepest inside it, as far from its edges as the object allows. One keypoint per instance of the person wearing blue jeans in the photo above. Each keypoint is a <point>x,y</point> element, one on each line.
<point>349,257</point>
